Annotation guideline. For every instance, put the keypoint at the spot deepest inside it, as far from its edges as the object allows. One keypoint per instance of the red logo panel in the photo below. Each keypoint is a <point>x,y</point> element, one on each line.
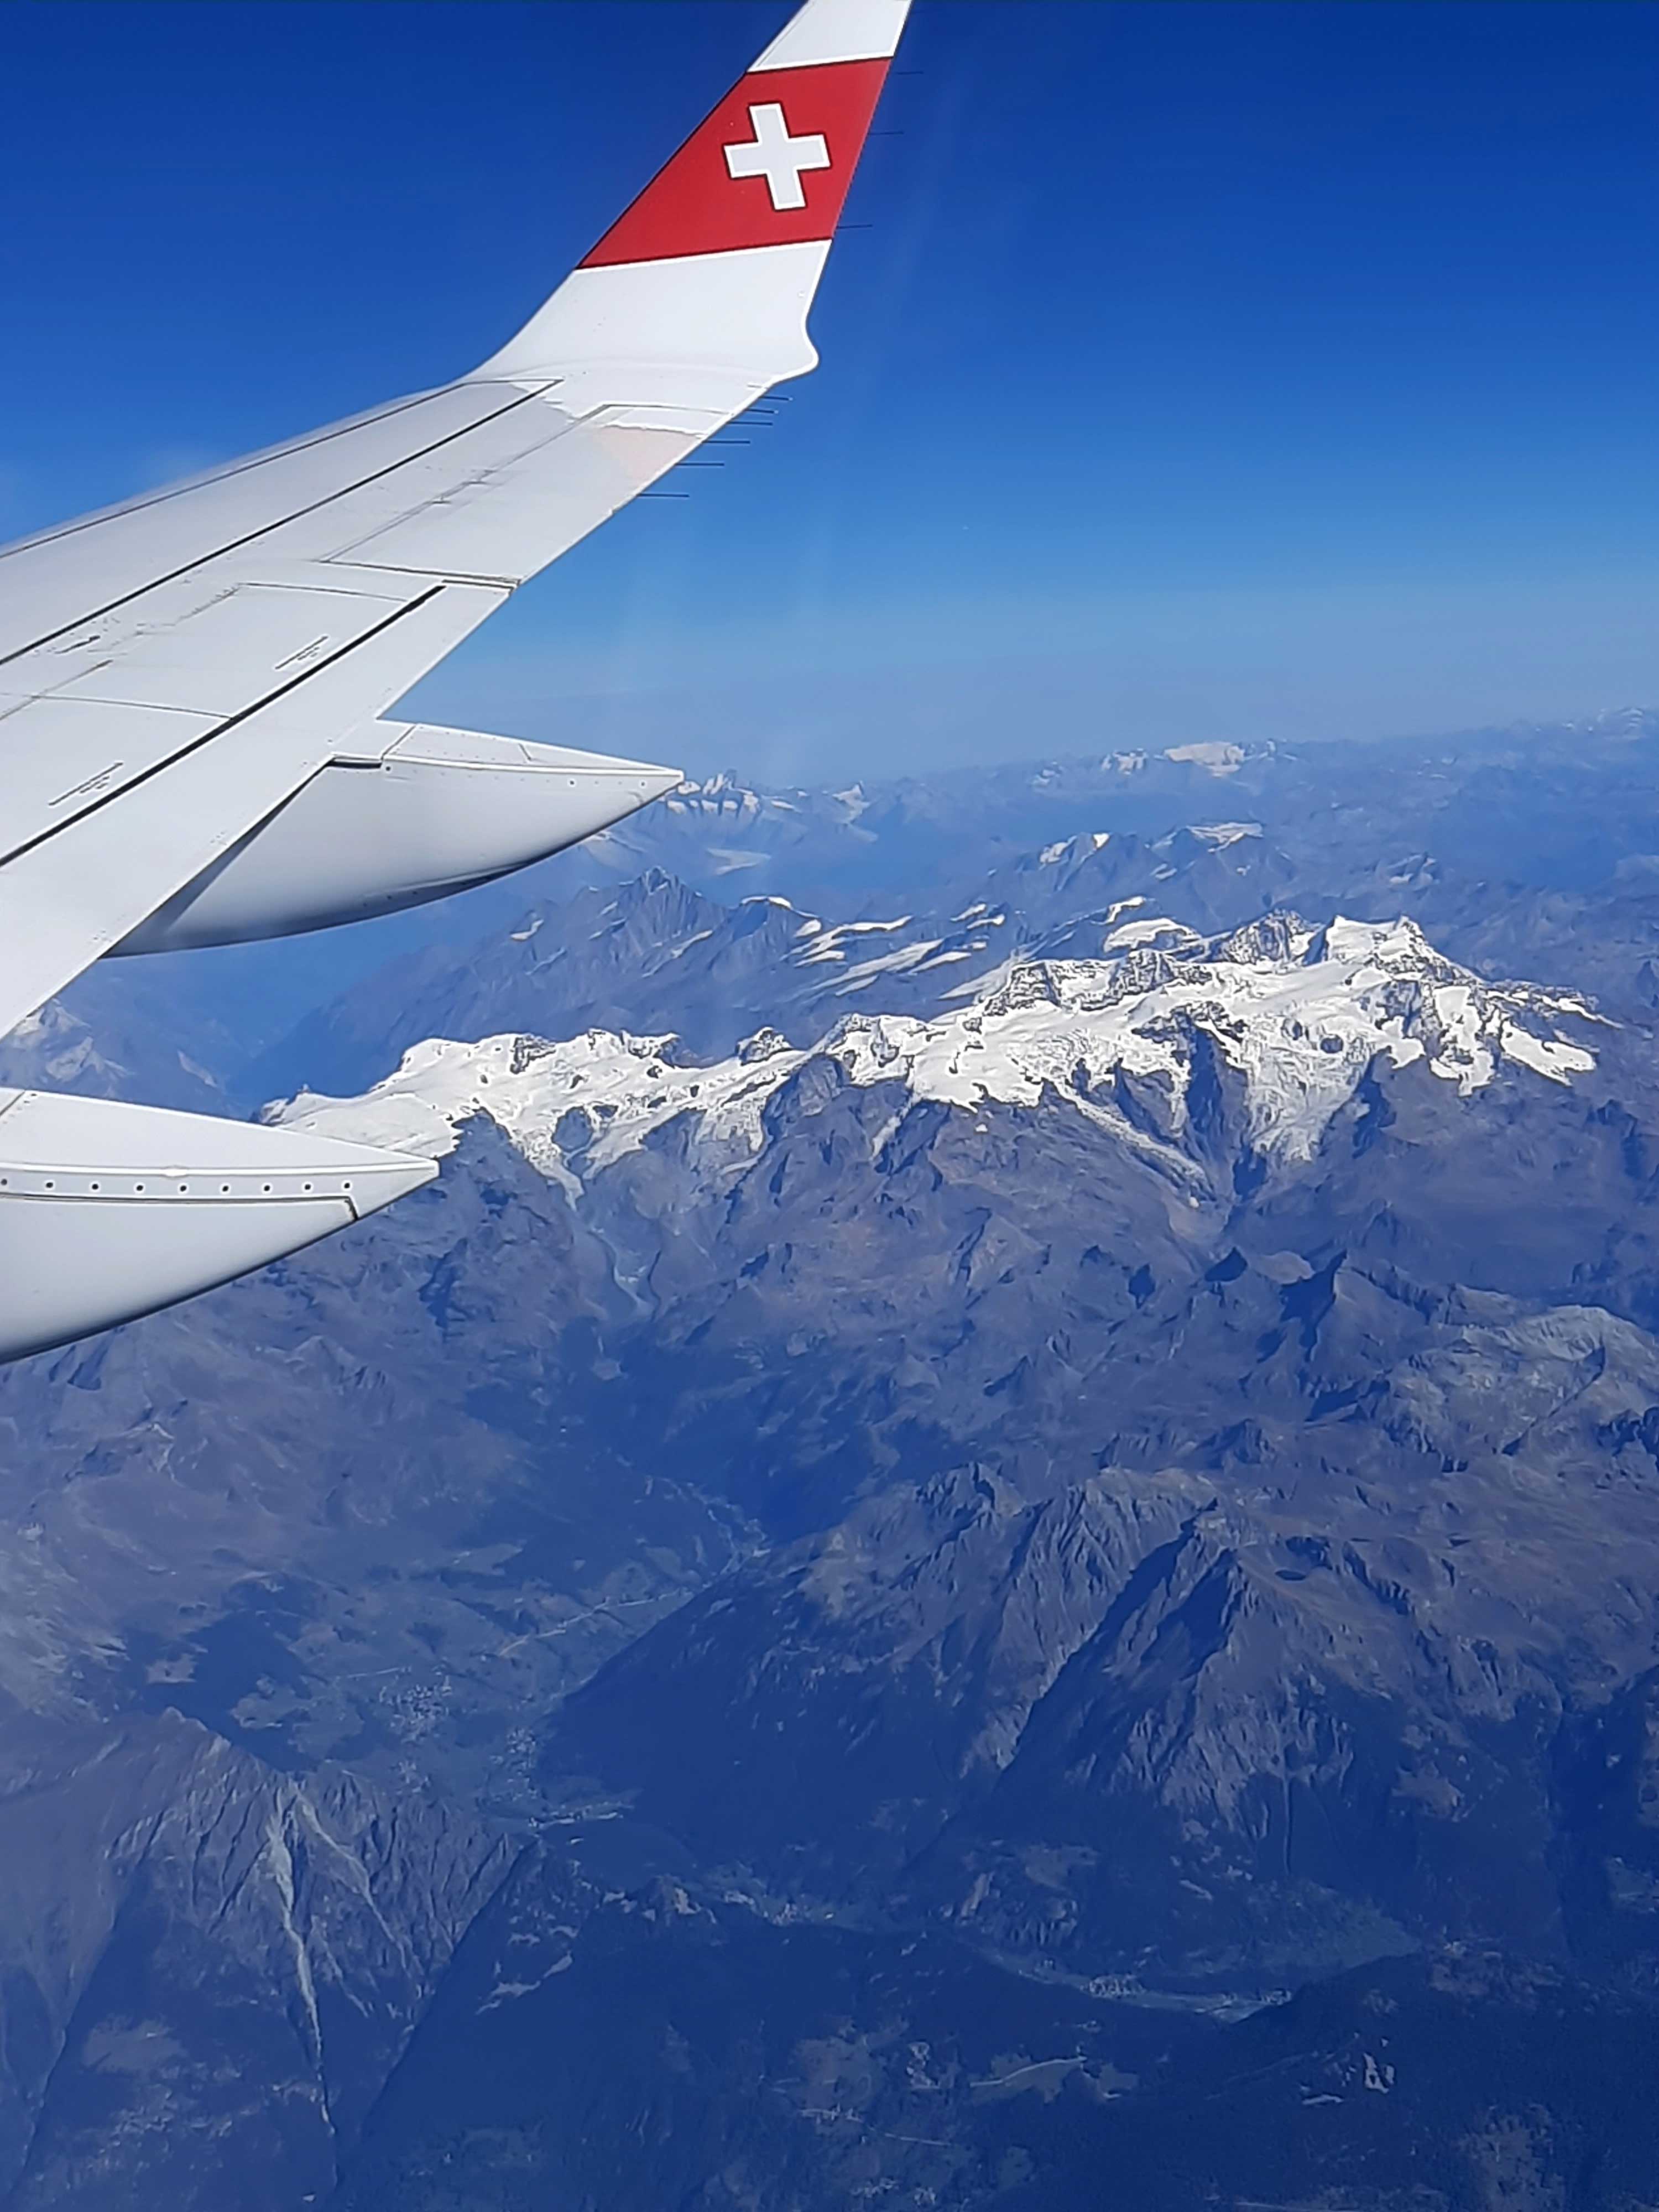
<point>771,166</point>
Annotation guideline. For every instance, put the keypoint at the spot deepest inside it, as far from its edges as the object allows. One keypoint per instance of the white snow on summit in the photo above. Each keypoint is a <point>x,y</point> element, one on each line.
<point>1215,759</point>
<point>1300,1014</point>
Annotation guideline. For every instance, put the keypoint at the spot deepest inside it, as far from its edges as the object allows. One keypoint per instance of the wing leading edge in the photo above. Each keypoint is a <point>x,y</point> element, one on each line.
<point>194,744</point>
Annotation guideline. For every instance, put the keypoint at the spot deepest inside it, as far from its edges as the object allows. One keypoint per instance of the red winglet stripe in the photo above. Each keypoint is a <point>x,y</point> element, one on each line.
<point>696,204</point>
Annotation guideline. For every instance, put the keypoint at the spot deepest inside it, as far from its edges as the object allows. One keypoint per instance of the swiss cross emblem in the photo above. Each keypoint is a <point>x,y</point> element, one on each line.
<point>797,130</point>
<point>773,155</point>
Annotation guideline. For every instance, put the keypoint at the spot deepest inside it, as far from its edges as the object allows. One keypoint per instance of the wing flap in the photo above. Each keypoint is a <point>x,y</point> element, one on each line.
<point>64,756</point>
<point>122,718</point>
<point>73,893</point>
<point>250,641</point>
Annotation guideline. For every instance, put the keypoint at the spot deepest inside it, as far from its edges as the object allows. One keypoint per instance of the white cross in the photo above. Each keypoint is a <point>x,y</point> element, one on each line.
<point>773,155</point>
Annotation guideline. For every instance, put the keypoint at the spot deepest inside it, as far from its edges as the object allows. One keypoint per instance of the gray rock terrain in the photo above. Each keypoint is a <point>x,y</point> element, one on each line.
<point>209,1970</point>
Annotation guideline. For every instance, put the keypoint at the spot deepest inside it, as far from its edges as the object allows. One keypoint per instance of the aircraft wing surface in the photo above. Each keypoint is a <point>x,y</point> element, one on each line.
<point>194,684</point>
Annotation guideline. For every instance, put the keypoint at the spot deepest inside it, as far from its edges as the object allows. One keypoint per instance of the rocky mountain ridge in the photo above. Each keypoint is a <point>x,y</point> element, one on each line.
<point>1129,1039</point>
<point>209,1969</point>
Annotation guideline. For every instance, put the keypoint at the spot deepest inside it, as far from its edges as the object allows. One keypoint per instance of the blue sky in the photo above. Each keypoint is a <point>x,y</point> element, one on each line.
<point>1204,370</point>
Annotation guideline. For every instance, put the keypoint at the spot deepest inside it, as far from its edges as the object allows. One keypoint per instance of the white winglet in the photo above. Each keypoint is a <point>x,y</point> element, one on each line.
<point>711,271</point>
<point>837,31</point>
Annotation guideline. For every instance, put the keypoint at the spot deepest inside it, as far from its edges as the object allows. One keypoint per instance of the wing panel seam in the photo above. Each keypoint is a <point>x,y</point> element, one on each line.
<point>219,729</point>
<point>228,474</point>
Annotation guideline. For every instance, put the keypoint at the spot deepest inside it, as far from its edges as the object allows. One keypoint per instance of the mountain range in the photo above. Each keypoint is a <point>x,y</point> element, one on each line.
<point>995,1541</point>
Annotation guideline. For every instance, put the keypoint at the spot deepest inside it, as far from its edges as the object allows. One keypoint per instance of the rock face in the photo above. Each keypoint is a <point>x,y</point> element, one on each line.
<point>1285,1679</point>
<point>209,1970</point>
<point>56,1049</point>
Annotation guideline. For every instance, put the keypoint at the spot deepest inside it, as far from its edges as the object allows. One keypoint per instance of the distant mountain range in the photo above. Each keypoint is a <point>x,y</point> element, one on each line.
<point>992,1545</point>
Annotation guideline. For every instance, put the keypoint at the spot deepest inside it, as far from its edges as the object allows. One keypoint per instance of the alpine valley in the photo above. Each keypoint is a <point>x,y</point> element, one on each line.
<point>994,1543</point>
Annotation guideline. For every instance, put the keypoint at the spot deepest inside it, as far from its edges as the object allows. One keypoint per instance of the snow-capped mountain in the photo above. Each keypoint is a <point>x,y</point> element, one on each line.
<point>1127,1040</point>
<point>720,830</point>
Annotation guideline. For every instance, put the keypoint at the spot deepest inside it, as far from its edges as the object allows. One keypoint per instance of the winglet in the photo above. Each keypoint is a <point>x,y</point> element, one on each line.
<point>824,31</point>
<point>715,263</point>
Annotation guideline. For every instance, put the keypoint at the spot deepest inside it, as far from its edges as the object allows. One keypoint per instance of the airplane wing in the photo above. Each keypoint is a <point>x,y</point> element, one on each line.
<point>194,686</point>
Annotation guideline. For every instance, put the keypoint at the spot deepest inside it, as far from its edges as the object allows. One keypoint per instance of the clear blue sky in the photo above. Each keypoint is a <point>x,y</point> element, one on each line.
<point>1205,370</point>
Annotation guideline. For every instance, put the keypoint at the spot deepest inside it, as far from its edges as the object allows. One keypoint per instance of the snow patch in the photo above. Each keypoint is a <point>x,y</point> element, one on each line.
<point>1148,932</point>
<point>1216,759</point>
